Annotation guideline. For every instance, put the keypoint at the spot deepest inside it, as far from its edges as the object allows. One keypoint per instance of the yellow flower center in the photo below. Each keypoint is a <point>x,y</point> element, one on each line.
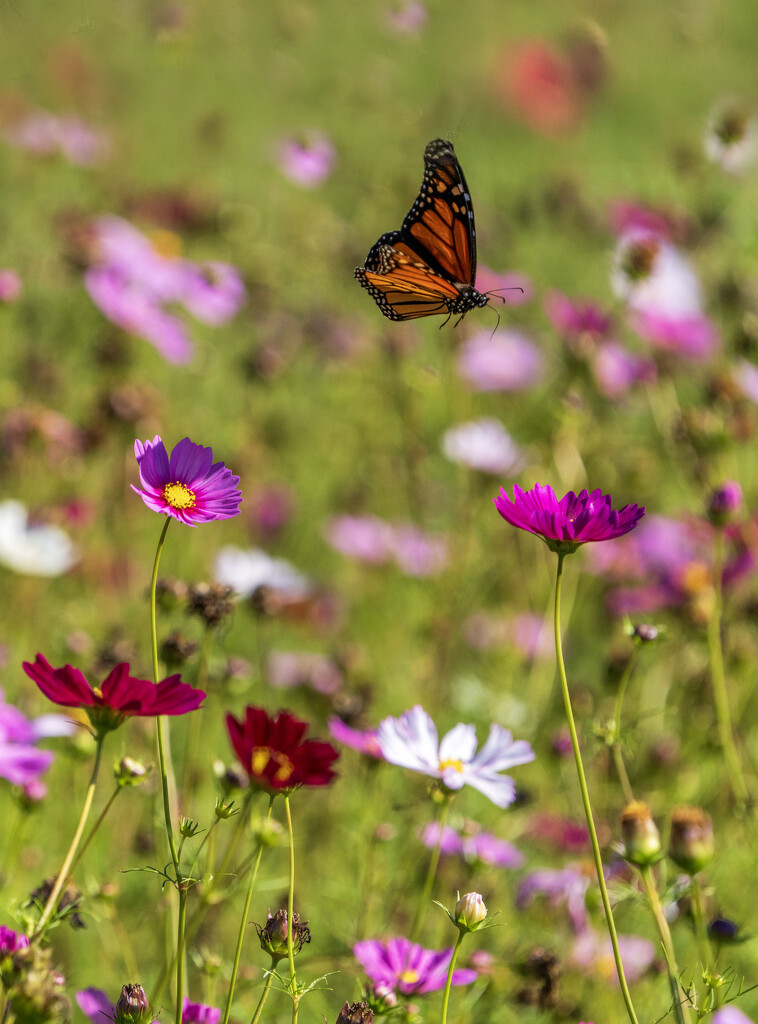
<point>165,243</point>
<point>97,692</point>
<point>409,977</point>
<point>451,763</point>
<point>261,758</point>
<point>179,496</point>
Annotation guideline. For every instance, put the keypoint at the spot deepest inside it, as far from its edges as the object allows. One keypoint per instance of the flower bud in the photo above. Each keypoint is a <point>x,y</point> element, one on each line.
<point>273,935</point>
<point>132,1006</point>
<point>724,503</point>
<point>187,827</point>
<point>470,911</point>
<point>128,772</point>
<point>356,1013</point>
<point>642,842</point>
<point>691,844</point>
<point>645,632</point>
<point>224,811</point>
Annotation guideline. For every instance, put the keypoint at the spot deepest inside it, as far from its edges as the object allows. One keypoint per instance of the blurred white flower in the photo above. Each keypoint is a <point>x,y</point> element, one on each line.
<point>654,277</point>
<point>31,549</point>
<point>247,569</point>
<point>484,445</point>
<point>731,140</point>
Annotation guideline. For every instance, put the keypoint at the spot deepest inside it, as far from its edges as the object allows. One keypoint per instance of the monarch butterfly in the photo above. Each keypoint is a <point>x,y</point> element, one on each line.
<point>429,265</point>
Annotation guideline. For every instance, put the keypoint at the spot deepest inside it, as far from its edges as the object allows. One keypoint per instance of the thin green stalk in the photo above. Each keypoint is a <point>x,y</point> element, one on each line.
<point>264,993</point>
<point>96,826</point>
<point>449,979</point>
<point>290,907</point>
<point>243,922</point>
<point>431,874</point>
<point>616,754</point>
<point>586,798</point>
<point>195,724</point>
<point>718,678</point>
<point>65,871</point>
<point>681,1012</point>
<point>711,975</point>
<point>618,760</point>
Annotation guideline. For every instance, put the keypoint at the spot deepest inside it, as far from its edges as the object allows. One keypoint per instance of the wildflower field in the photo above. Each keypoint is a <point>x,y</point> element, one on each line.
<point>385,651</point>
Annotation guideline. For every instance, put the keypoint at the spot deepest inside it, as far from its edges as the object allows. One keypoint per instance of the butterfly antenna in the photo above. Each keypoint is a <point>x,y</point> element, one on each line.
<point>511,288</point>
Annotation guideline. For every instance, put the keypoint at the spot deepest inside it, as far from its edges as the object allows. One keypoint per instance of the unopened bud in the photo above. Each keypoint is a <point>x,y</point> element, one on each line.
<point>470,911</point>
<point>224,811</point>
<point>356,1013</point>
<point>132,1006</point>
<point>642,841</point>
<point>691,844</point>
<point>128,772</point>
<point>645,632</point>
<point>724,503</point>
<point>188,828</point>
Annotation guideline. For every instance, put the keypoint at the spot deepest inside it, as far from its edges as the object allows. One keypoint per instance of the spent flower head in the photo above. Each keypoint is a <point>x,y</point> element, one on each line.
<point>188,486</point>
<point>566,523</point>
<point>273,934</point>
<point>412,741</point>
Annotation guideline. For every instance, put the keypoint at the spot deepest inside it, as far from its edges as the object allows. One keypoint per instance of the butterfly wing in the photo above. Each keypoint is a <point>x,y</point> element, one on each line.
<point>429,265</point>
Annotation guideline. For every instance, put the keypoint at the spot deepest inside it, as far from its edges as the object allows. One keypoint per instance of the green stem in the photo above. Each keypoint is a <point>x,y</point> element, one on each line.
<point>65,871</point>
<point>616,754</point>
<point>180,933</point>
<point>290,892</point>
<point>431,873</point>
<point>195,724</point>
<point>243,925</point>
<point>701,932</point>
<point>449,979</point>
<point>718,678</point>
<point>681,1012</point>
<point>96,826</point>
<point>618,760</point>
<point>264,993</point>
<point>586,798</point>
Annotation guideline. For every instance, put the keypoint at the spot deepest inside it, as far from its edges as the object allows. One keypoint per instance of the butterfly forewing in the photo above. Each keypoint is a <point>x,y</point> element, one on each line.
<point>428,266</point>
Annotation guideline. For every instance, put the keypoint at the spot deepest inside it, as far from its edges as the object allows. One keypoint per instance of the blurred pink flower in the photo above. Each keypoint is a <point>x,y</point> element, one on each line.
<point>43,134</point>
<point>693,335</point>
<point>418,553</point>
<point>593,952</point>
<point>366,538</point>
<point>513,287</point>
<point>10,285</point>
<point>559,832</point>
<point>539,85</point>
<point>406,17</point>
<point>285,669</point>
<point>362,740</point>
<point>484,445</point>
<point>746,378</point>
<point>306,160</point>
<point>473,844</point>
<point>617,370</point>
<point>503,361</point>
<point>575,319</point>
<point>627,215</point>
<point>558,885</point>
<point>730,1015</point>
<point>21,763</point>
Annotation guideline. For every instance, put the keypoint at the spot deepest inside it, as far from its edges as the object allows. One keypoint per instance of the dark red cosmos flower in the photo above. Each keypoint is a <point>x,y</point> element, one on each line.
<point>274,754</point>
<point>119,696</point>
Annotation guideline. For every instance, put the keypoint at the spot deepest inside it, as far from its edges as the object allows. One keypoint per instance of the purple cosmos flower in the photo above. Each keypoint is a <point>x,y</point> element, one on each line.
<point>400,965</point>
<point>10,285</point>
<point>565,524</point>
<point>412,741</point>
<point>199,1013</point>
<point>473,845</point>
<point>189,486</point>
<point>593,952</point>
<point>362,740</point>
<point>724,502</point>
<point>11,941</point>
<point>96,1005</point>
<point>617,370</point>
<point>565,885</point>
<point>513,288</point>
<point>484,445</point>
<point>20,761</point>
<point>306,161</point>
<point>503,361</point>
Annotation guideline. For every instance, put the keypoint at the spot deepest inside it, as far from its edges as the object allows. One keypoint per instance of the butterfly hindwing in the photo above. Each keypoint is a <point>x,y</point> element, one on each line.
<point>428,266</point>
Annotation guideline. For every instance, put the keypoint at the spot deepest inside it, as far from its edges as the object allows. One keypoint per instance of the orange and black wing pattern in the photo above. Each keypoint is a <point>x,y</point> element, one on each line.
<point>428,266</point>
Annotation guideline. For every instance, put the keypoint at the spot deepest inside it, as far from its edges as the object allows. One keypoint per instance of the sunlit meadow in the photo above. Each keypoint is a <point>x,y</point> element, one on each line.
<point>297,722</point>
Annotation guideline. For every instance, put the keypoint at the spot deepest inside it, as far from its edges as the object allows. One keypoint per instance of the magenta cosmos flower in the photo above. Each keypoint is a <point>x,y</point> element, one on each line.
<point>189,486</point>
<point>274,753</point>
<point>118,697</point>
<point>400,965</point>
<point>565,524</point>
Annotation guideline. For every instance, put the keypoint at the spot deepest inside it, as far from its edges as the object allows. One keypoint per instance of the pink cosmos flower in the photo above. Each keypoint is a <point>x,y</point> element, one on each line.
<point>559,832</point>
<point>11,941</point>
<point>418,553</point>
<point>306,161</point>
<point>539,85</point>
<point>412,741</point>
<point>565,885</point>
<point>693,335</point>
<point>21,763</point>
<point>10,285</point>
<point>566,523</point>
<point>362,740</point>
<point>199,1013</point>
<point>188,486</point>
<point>285,669</point>
<point>473,844</point>
<point>43,134</point>
<point>484,445</point>
<point>503,361</point>
<point>118,697</point>
<point>730,1015</point>
<point>593,952</point>
<point>96,1005</point>
<point>617,370</point>
<point>746,378</point>
<point>576,318</point>
<point>406,17</point>
<point>400,965</point>
<point>366,538</point>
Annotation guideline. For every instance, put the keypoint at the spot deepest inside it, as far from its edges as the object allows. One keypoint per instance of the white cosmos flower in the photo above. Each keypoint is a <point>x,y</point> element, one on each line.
<point>670,286</point>
<point>412,741</point>
<point>485,445</point>
<point>33,550</point>
<point>247,569</point>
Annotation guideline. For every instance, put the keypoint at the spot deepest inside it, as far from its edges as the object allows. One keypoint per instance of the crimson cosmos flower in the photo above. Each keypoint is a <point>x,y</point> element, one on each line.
<point>566,523</point>
<point>189,486</point>
<point>119,696</point>
<point>274,754</point>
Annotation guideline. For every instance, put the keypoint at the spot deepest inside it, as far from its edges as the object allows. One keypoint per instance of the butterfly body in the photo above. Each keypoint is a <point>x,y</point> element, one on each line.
<point>428,266</point>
